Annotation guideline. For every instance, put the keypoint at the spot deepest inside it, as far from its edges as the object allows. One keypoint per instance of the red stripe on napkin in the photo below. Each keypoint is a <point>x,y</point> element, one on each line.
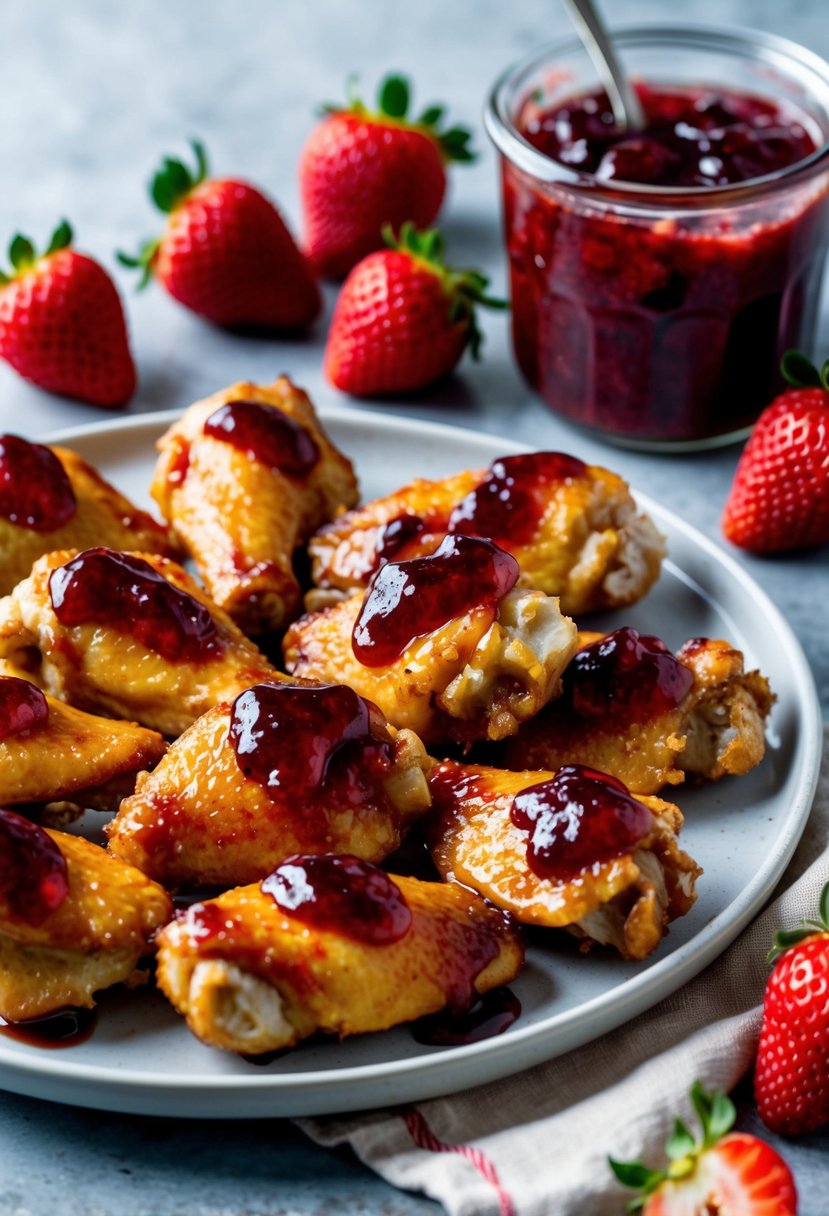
<point>423,1137</point>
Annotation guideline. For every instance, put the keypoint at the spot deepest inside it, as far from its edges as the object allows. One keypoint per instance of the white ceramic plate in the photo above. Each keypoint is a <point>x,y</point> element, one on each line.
<point>142,1060</point>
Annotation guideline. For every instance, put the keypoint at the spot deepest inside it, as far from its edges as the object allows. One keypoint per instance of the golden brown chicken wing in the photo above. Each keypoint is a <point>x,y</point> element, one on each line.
<point>244,478</point>
<point>632,708</point>
<point>51,499</point>
<point>446,645</point>
<point>126,634</point>
<point>50,752</point>
<point>284,769</point>
<point>73,920</point>
<point>571,850</point>
<point>334,944</point>
<point>572,527</point>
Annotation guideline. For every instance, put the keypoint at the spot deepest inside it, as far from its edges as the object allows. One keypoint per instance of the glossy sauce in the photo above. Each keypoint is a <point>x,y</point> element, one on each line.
<point>35,490</point>
<point>64,1028</point>
<point>341,894</point>
<point>508,505</point>
<point>265,434</point>
<point>406,600</point>
<point>296,741</point>
<point>490,1015</point>
<point>577,818</point>
<point>102,587</point>
<point>34,879</point>
<point>394,536</point>
<point>23,708</point>
<point>625,675</point>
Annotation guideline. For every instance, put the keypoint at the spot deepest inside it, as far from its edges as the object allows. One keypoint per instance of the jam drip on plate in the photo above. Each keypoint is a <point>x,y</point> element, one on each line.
<point>35,491</point>
<point>64,1028</point>
<point>625,674</point>
<point>693,137</point>
<point>509,504</point>
<point>407,600</point>
<point>341,894</point>
<point>102,587</point>
<point>265,435</point>
<point>297,741</point>
<point>577,818</point>
<point>23,708</point>
<point>490,1015</point>
<point>34,880</point>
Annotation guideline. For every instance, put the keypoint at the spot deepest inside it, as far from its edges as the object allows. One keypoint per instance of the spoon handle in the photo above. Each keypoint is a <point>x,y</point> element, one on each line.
<point>627,109</point>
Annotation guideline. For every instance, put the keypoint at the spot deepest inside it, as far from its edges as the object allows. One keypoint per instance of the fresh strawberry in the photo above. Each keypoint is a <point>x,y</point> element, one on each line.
<point>780,496</point>
<point>62,325</point>
<point>361,170</point>
<point>726,1175</point>
<point>403,319</point>
<point>225,252</point>
<point>791,1079</point>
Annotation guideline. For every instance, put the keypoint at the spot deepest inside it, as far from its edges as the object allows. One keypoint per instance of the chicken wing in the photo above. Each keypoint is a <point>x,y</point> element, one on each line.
<point>333,944</point>
<point>72,919</point>
<point>284,769</point>
<point>130,635</point>
<point>572,850</point>
<point>244,478</point>
<point>51,499</point>
<point>572,527</point>
<point>651,718</point>
<point>50,752</point>
<point>446,645</point>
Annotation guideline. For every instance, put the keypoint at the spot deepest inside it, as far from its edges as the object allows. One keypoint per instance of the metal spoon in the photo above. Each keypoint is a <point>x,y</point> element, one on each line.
<point>627,109</point>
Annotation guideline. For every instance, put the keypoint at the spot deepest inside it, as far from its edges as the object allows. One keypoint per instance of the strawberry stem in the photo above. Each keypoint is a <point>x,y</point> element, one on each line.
<point>393,101</point>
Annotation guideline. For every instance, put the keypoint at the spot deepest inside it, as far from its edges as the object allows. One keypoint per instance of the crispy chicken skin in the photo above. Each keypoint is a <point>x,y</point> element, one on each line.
<point>625,902</point>
<point>103,517</point>
<point>198,819</point>
<point>74,756</point>
<point>476,677</point>
<point>102,669</point>
<point>93,940</point>
<point>240,519</point>
<point>270,980</point>
<point>590,547</point>
<point>716,730</point>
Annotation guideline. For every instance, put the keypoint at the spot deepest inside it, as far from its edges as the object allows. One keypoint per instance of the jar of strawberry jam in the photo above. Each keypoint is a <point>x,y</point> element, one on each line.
<point>657,276</point>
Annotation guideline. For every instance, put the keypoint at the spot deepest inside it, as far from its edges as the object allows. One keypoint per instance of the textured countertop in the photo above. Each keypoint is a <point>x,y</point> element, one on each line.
<point>91,95</point>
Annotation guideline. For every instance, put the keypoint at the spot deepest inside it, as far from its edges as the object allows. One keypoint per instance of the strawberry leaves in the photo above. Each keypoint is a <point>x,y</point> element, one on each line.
<point>784,939</point>
<point>800,372</point>
<point>393,102</point>
<point>24,256</point>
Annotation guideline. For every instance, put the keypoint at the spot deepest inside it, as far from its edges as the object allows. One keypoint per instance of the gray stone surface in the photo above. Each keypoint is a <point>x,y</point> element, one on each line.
<point>91,94</point>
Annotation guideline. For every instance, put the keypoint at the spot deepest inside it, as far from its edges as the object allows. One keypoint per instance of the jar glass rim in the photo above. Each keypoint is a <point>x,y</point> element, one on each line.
<point>797,61</point>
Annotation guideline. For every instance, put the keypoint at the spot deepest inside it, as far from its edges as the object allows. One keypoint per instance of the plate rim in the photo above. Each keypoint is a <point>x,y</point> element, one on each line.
<point>525,1046</point>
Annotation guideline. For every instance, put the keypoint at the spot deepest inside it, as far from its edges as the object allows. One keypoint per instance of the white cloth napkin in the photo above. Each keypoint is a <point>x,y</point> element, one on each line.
<point>536,1144</point>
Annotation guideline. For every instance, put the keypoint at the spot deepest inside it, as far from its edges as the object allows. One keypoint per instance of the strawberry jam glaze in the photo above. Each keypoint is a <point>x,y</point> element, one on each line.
<point>23,707</point>
<point>296,742</point>
<point>662,316</point>
<point>577,818</point>
<point>34,880</point>
<point>35,491</point>
<point>488,1016</point>
<point>625,674</point>
<point>265,435</point>
<point>65,1027</point>
<point>508,504</point>
<point>102,587</point>
<point>407,600</point>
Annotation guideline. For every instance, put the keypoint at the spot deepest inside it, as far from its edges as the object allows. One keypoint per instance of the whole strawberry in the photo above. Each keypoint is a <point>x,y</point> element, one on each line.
<point>724,1174</point>
<point>361,170</point>
<point>62,325</point>
<point>791,1079</point>
<point>403,319</point>
<point>780,496</point>
<point>225,252</point>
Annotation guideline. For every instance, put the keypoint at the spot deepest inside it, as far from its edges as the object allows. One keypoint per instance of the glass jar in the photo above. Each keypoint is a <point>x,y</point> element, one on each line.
<point>657,315</point>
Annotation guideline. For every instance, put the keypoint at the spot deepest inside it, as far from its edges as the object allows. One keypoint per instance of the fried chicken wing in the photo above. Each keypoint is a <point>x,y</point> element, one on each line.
<point>130,635</point>
<point>261,967</point>
<point>571,850</point>
<point>284,769</point>
<point>50,752</point>
<point>651,718</point>
<point>52,499</point>
<point>73,920</point>
<point>572,527</point>
<point>244,478</point>
<point>436,650</point>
